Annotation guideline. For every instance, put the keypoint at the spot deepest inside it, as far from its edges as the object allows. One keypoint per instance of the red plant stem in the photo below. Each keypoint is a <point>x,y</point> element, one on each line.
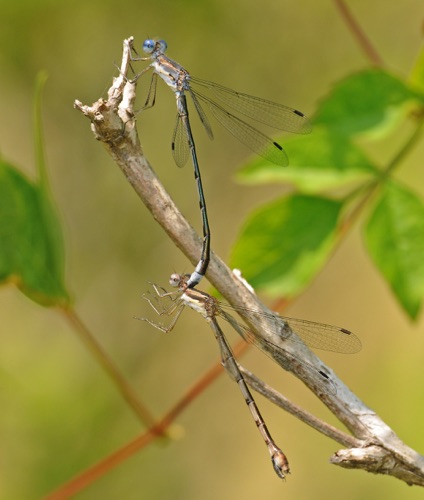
<point>359,34</point>
<point>93,473</point>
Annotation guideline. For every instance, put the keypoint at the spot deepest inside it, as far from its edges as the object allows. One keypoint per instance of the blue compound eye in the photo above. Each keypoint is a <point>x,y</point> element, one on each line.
<point>162,45</point>
<point>149,46</point>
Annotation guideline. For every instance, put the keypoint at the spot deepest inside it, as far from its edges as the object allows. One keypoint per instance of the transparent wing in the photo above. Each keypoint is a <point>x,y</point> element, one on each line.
<point>322,336</point>
<point>180,148</point>
<point>255,140</point>
<point>202,115</point>
<point>315,335</point>
<point>264,111</point>
<point>272,351</point>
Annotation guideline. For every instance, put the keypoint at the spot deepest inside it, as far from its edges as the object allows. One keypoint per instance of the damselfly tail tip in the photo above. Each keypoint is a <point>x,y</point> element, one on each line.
<point>280,463</point>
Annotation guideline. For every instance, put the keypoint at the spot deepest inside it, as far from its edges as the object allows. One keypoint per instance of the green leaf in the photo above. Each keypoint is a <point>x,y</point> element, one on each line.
<point>416,77</point>
<point>284,244</point>
<point>31,241</point>
<point>319,161</point>
<point>31,255</point>
<point>368,100</point>
<point>394,236</point>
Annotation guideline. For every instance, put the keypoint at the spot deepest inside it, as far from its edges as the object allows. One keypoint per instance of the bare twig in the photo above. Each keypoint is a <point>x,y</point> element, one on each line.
<point>359,34</point>
<point>375,447</point>
<point>108,366</point>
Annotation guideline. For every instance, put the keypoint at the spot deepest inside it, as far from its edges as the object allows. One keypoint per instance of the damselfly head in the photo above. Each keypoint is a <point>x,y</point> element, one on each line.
<point>178,280</point>
<point>150,46</point>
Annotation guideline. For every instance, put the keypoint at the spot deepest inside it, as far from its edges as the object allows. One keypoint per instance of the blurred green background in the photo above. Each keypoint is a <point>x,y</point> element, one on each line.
<point>60,414</point>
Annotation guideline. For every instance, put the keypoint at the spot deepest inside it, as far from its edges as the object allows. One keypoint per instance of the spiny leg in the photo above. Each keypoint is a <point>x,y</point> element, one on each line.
<point>174,308</point>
